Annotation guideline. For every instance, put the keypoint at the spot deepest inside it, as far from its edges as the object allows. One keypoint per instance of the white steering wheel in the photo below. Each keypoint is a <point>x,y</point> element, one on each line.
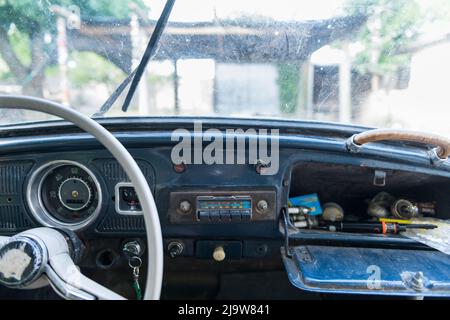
<point>47,249</point>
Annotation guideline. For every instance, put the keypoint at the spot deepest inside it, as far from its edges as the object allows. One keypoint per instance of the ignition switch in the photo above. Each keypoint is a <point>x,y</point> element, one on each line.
<point>132,249</point>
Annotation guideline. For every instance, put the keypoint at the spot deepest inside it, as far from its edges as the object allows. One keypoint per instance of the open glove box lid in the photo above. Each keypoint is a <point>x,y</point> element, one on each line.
<point>371,271</point>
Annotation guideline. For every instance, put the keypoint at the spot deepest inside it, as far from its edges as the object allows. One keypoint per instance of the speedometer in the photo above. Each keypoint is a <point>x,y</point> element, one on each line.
<point>75,193</point>
<point>68,195</point>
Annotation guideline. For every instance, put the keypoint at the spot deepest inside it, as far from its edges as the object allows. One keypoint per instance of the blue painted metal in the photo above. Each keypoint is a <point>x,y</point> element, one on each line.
<point>68,142</point>
<point>151,131</point>
<point>168,122</point>
<point>370,271</point>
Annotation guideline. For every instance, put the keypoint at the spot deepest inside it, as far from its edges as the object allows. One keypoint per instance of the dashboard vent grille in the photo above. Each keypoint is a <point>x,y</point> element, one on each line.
<point>123,224</point>
<point>13,217</point>
<point>113,171</point>
<point>12,177</point>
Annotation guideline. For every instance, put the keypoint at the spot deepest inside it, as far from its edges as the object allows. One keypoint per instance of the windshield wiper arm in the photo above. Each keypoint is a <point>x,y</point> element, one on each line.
<point>135,76</point>
<point>149,52</point>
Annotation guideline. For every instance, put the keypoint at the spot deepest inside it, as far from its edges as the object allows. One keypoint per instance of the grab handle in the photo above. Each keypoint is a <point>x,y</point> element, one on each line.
<point>442,150</point>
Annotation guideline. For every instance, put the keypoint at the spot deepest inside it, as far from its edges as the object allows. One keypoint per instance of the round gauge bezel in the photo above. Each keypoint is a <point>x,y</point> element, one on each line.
<point>36,204</point>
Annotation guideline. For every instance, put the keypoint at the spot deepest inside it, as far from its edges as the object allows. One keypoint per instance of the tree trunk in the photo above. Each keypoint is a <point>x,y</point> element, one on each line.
<point>34,83</point>
<point>35,87</point>
<point>9,56</point>
<point>30,78</point>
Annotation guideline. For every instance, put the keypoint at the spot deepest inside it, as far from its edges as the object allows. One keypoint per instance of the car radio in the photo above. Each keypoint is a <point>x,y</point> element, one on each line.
<point>222,206</point>
<point>218,208</point>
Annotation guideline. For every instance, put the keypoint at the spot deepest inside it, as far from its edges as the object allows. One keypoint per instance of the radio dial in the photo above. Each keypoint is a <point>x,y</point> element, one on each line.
<point>185,207</point>
<point>262,206</point>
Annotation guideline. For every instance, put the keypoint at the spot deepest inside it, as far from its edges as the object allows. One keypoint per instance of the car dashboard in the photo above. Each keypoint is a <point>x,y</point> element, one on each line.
<point>221,223</point>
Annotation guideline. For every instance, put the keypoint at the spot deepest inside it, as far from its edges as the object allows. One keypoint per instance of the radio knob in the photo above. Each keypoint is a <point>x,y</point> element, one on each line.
<point>219,254</point>
<point>262,205</point>
<point>185,206</point>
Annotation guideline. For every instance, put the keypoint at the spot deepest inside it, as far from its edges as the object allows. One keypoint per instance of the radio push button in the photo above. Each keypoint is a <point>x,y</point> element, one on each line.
<point>225,216</point>
<point>203,216</point>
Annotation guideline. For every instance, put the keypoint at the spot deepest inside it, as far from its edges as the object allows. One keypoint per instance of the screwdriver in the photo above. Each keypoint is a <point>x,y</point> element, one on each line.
<point>374,227</point>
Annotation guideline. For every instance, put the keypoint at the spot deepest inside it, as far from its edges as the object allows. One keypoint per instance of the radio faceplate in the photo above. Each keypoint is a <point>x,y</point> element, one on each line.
<point>222,206</point>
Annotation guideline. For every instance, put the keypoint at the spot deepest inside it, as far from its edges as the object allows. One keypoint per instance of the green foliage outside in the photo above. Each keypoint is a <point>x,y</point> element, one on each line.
<point>392,27</point>
<point>288,83</point>
<point>387,40</point>
<point>90,67</point>
<point>24,23</point>
<point>32,16</point>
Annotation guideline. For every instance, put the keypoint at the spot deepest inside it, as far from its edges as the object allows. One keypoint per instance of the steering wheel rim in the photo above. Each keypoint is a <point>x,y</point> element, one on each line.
<point>129,165</point>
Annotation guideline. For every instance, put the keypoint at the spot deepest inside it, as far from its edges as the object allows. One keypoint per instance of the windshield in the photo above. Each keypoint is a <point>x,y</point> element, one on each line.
<point>371,62</point>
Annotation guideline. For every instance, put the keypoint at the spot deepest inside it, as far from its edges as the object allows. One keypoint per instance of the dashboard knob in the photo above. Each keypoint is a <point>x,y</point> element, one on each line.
<point>175,249</point>
<point>262,205</point>
<point>185,206</point>
<point>219,254</point>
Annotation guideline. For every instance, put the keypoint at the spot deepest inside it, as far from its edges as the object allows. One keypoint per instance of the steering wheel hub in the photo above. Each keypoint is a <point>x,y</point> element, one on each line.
<point>22,261</point>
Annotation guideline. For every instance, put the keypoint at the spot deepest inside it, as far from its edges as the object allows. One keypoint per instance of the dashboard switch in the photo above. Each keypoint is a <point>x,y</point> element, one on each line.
<point>225,216</point>
<point>132,249</point>
<point>203,216</point>
<point>246,215</point>
<point>217,250</point>
<point>262,206</point>
<point>185,207</point>
<point>214,215</point>
<point>175,249</point>
<point>219,254</point>
<point>235,215</point>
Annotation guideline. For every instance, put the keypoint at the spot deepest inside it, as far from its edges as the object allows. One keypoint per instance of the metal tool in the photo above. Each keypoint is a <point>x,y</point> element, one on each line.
<point>299,210</point>
<point>373,227</point>
<point>300,218</point>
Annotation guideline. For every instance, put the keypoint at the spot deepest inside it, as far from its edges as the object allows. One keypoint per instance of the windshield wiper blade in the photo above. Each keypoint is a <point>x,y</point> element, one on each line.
<point>135,76</point>
<point>116,94</point>
<point>149,52</point>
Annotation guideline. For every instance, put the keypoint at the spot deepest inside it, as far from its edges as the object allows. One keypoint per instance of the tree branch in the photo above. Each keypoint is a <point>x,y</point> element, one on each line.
<point>423,45</point>
<point>20,71</point>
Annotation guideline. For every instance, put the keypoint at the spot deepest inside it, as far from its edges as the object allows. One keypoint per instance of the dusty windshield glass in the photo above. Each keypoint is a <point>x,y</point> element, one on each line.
<point>373,62</point>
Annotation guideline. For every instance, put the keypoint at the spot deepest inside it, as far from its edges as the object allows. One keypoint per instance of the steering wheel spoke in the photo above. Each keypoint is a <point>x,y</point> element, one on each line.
<point>73,284</point>
<point>3,241</point>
